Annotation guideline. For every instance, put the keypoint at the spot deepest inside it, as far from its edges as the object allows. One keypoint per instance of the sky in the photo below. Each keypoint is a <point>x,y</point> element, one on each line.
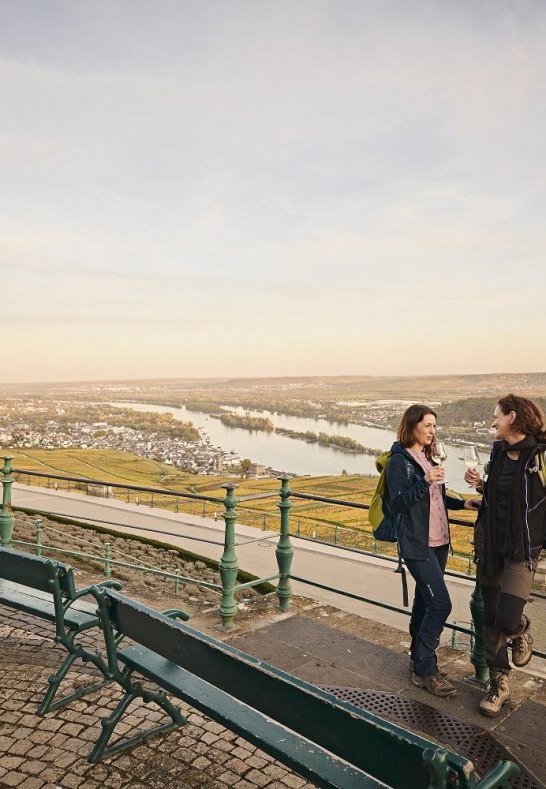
<point>243,187</point>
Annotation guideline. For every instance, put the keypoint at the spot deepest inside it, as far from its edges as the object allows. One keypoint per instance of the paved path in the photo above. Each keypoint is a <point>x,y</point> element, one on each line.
<point>334,567</point>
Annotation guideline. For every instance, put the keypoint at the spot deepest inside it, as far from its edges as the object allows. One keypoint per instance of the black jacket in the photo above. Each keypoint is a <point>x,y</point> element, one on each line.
<point>533,506</point>
<point>410,499</point>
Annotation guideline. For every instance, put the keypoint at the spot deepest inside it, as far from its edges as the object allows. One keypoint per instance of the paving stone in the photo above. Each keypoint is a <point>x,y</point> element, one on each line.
<point>32,783</point>
<point>258,778</point>
<point>21,747</point>
<point>237,766</point>
<point>275,771</point>
<point>11,762</point>
<point>256,761</point>
<point>201,763</point>
<point>13,778</point>
<point>37,752</point>
<point>6,744</point>
<point>293,781</point>
<point>241,753</point>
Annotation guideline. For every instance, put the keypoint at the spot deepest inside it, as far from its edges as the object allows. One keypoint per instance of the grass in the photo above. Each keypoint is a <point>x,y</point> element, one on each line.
<point>329,522</point>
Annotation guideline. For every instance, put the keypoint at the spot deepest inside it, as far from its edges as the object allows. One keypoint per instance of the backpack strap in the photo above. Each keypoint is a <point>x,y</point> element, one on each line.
<point>400,567</point>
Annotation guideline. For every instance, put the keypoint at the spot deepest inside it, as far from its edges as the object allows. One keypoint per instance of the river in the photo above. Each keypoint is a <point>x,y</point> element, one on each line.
<point>295,456</point>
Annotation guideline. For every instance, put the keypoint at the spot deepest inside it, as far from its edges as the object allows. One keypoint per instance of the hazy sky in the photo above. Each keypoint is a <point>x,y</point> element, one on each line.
<point>248,187</point>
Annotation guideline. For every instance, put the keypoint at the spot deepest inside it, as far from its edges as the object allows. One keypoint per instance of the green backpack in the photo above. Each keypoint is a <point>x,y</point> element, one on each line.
<point>381,516</point>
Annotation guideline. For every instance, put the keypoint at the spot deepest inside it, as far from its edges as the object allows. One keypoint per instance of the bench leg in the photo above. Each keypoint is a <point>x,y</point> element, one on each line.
<point>108,724</point>
<point>48,704</point>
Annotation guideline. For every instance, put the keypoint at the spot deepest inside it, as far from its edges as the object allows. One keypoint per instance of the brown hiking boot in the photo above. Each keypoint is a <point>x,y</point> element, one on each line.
<point>522,647</point>
<point>438,685</point>
<point>496,694</point>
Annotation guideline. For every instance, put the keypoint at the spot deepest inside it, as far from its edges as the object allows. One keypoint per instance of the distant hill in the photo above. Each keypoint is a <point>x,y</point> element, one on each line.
<point>352,387</point>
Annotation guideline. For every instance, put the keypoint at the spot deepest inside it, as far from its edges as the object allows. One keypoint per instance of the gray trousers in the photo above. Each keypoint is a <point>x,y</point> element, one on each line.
<point>504,598</point>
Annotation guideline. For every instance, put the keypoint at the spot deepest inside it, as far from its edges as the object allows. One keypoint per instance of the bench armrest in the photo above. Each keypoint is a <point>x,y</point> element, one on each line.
<point>90,590</point>
<point>176,613</point>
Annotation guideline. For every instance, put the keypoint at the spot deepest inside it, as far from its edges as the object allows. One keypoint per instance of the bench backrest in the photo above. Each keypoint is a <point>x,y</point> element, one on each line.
<point>378,747</point>
<point>36,572</point>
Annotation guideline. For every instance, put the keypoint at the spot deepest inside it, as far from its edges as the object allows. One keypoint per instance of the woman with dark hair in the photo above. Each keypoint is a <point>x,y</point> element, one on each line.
<point>509,536</point>
<point>417,495</point>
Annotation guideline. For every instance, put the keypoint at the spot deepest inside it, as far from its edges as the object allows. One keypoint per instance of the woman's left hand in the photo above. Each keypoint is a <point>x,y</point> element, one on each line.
<point>472,504</point>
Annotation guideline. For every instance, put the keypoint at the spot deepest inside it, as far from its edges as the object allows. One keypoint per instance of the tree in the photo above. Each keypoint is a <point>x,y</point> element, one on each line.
<point>245,466</point>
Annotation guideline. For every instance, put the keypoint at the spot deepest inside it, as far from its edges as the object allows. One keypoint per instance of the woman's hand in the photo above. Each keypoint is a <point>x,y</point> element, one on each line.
<point>472,477</point>
<point>435,474</point>
<point>472,504</point>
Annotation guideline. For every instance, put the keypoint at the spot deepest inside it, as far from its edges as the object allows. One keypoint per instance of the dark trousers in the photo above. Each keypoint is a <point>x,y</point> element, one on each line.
<point>504,597</point>
<point>431,608</point>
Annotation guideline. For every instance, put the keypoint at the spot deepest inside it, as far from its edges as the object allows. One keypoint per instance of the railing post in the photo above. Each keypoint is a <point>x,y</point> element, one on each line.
<point>39,526</point>
<point>264,522</point>
<point>335,535</point>
<point>228,565</point>
<point>152,502</point>
<point>176,505</point>
<point>7,521</point>
<point>107,569</point>
<point>477,656</point>
<point>204,513</point>
<point>284,550</point>
<point>177,581</point>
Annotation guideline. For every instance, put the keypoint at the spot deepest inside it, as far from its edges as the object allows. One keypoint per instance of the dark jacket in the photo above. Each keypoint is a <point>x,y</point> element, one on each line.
<point>410,499</point>
<point>533,507</point>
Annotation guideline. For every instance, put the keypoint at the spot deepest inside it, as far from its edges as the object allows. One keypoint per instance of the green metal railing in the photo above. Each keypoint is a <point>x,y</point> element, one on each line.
<point>228,565</point>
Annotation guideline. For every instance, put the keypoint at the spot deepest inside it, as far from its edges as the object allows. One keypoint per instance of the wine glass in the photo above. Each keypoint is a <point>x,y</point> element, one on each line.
<point>439,454</point>
<point>471,458</point>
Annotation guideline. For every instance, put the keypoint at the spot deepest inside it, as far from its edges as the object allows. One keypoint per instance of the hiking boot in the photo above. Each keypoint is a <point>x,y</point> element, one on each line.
<point>496,694</point>
<point>438,685</point>
<point>522,647</point>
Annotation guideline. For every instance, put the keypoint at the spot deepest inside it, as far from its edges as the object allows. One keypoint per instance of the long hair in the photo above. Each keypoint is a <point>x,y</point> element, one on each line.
<point>529,418</point>
<point>410,419</point>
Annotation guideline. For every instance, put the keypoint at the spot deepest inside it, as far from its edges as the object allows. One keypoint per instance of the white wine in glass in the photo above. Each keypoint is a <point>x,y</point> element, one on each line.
<point>439,454</point>
<point>471,458</point>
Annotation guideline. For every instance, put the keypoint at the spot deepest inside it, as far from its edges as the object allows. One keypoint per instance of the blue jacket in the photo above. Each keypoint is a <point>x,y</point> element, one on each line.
<point>410,500</point>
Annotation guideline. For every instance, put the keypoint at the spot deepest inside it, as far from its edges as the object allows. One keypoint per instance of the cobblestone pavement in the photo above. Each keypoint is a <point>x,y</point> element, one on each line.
<point>50,752</point>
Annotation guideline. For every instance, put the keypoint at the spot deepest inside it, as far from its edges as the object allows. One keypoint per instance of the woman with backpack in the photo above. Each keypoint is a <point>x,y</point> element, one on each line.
<point>418,497</point>
<point>508,538</point>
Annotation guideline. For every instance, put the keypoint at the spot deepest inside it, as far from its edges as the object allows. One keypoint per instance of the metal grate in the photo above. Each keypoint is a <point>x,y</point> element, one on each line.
<point>470,741</point>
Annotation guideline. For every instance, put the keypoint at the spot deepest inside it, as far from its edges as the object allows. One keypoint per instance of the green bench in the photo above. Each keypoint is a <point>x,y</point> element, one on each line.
<point>46,589</point>
<point>328,741</point>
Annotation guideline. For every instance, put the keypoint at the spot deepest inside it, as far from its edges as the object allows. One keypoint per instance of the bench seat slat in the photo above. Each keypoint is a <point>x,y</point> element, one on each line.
<point>309,759</point>
<point>80,616</point>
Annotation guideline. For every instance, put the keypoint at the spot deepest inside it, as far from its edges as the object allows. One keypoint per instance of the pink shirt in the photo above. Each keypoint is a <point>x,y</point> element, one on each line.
<point>438,527</point>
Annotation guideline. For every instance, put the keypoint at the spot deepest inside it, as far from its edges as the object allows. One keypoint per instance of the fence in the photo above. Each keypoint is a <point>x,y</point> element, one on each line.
<point>228,565</point>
